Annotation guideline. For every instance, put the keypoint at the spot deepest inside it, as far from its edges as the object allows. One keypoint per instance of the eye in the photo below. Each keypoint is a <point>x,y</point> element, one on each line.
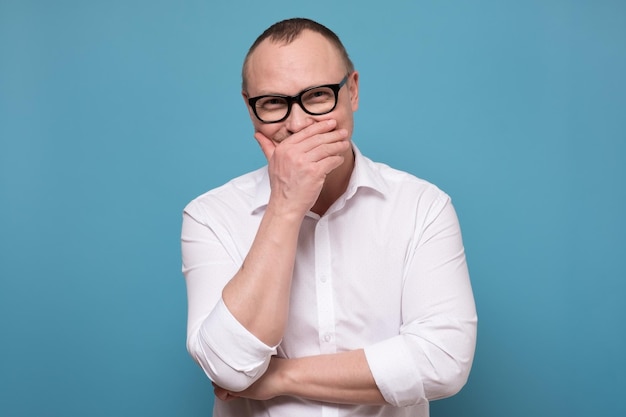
<point>271,103</point>
<point>319,95</point>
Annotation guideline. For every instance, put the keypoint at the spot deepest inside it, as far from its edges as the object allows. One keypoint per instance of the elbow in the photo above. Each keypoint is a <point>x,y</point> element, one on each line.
<point>226,375</point>
<point>232,381</point>
<point>451,379</point>
<point>444,385</point>
<point>228,353</point>
<point>454,384</point>
<point>454,363</point>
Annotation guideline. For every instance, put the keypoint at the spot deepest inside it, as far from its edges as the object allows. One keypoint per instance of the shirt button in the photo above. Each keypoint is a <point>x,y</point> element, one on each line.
<point>324,278</point>
<point>327,337</point>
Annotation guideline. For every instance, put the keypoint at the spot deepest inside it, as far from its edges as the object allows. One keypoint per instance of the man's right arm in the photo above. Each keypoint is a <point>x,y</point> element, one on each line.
<point>257,296</point>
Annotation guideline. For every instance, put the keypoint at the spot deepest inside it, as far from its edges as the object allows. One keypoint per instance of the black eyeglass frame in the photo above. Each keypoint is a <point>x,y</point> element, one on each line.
<point>298,99</point>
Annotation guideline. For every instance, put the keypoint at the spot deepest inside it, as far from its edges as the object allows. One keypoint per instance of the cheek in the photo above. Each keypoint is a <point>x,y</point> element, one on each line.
<point>345,117</point>
<point>271,131</point>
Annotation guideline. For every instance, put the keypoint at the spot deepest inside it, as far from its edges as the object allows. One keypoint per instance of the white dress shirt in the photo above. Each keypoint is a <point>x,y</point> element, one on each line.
<point>383,269</point>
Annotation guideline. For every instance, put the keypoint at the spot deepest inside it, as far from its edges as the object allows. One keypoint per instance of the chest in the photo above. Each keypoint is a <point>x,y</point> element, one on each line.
<point>347,285</point>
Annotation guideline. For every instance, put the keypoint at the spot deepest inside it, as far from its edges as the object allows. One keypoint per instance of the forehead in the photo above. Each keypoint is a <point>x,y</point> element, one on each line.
<point>277,67</point>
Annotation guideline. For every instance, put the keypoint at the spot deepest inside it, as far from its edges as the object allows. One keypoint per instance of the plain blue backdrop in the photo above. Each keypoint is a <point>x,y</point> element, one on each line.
<point>114,114</point>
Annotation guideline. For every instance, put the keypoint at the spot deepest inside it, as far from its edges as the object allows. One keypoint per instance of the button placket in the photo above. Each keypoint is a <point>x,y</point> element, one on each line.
<point>324,290</point>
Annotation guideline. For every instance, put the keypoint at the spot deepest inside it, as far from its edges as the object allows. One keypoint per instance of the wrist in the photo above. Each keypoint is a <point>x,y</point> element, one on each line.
<point>286,380</point>
<point>285,210</point>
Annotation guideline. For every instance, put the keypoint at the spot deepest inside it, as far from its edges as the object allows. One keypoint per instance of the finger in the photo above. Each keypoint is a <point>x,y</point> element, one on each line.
<point>222,394</point>
<point>266,144</point>
<point>328,144</point>
<point>334,139</point>
<point>323,126</point>
<point>327,165</point>
<point>325,150</point>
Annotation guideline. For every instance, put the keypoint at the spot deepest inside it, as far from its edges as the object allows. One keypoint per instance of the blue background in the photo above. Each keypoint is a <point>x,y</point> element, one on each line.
<point>114,114</point>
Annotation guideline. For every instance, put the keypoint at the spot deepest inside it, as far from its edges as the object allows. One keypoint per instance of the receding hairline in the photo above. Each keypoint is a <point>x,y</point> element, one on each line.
<point>286,31</point>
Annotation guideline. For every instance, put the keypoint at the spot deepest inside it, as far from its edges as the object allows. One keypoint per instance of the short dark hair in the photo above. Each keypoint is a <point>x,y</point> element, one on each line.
<point>287,31</point>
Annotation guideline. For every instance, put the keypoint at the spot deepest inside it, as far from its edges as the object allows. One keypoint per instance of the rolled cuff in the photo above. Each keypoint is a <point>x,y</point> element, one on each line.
<point>235,358</point>
<point>395,372</point>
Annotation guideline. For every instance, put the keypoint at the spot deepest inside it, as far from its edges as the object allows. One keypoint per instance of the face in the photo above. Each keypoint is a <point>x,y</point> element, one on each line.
<point>308,61</point>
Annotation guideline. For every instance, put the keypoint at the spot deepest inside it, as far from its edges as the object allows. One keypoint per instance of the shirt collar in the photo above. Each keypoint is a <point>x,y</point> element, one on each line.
<point>364,175</point>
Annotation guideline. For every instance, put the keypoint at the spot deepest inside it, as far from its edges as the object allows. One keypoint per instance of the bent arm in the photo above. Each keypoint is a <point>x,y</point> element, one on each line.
<point>432,356</point>
<point>341,378</point>
<point>227,352</point>
<point>259,293</point>
<point>429,359</point>
<point>238,308</point>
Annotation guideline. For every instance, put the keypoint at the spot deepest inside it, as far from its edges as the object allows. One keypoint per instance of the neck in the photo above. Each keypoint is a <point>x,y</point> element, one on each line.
<point>335,185</point>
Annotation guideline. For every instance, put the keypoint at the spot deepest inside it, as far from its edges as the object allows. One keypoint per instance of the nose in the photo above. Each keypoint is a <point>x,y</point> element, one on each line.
<point>298,119</point>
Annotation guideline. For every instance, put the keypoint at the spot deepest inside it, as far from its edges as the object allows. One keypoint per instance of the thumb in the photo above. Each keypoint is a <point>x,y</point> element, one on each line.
<point>266,144</point>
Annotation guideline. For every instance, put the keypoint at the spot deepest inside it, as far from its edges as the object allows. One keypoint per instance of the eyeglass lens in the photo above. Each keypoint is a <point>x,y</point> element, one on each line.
<point>319,100</point>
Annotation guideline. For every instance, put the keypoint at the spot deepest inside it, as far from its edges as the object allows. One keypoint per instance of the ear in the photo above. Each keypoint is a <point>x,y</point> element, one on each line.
<point>353,88</point>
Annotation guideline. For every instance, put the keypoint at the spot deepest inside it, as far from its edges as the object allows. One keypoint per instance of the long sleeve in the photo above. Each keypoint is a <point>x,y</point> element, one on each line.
<point>230,355</point>
<point>382,271</point>
<point>432,356</point>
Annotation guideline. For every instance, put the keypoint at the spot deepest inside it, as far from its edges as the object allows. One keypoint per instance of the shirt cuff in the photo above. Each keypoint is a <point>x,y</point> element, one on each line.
<point>235,345</point>
<point>395,373</point>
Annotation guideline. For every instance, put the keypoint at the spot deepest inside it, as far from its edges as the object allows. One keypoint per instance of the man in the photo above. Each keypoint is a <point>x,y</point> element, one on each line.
<point>323,284</point>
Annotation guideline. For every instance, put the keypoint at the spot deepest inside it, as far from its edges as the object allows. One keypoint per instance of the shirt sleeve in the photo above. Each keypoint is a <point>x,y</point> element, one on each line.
<point>229,354</point>
<point>432,356</point>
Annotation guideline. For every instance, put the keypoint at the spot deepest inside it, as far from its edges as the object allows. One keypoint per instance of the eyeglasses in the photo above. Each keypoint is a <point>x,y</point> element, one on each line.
<point>314,101</point>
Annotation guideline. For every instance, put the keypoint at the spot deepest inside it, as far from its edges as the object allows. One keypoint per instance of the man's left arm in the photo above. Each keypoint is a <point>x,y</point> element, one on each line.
<point>429,359</point>
<point>343,378</point>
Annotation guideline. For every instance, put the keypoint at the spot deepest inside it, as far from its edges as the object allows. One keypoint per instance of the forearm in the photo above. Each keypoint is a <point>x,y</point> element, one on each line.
<point>258,295</point>
<point>341,378</point>
<point>217,341</point>
<point>336,378</point>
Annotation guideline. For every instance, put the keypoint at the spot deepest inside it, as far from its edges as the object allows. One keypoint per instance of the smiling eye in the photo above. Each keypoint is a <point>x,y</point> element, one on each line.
<point>271,103</point>
<point>318,95</point>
